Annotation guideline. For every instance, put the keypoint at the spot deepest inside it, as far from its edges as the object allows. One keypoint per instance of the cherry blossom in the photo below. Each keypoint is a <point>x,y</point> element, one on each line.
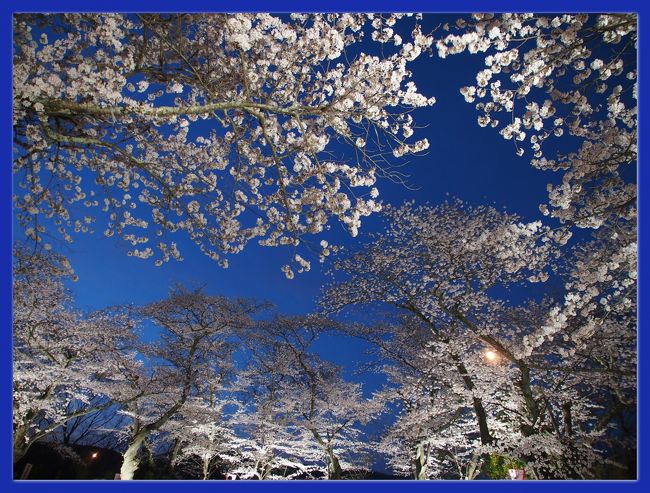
<point>308,412</point>
<point>548,77</point>
<point>215,126</point>
<point>439,267</point>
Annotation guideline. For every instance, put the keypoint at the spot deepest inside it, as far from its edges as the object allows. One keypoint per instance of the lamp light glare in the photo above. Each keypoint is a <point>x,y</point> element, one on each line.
<point>490,355</point>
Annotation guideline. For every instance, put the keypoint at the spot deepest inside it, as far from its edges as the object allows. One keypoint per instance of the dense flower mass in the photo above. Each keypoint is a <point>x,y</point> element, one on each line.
<point>218,126</point>
<point>550,77</point>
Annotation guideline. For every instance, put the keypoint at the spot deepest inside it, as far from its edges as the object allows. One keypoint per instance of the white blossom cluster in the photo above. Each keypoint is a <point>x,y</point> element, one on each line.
<point>297,407</point>
<point>569,75</point>
<point>216,126</point>
<point>600,300</point>
<point>453,250</point>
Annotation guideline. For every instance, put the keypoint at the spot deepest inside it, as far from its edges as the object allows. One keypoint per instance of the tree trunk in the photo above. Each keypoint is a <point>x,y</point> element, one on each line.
<point>151,463</point>
<point>473,468</point>
<point>130,460</point>
<point>130,457</point>
<point>206,467</point>
<point>174,453</point>
<point>266,471</point>
<point>481,416</point>
<point>263,469</point>
<point>568,420</point>
<point>479,410</point>
<point>21,445</point>
<point>334,466</point>
<point>421,462</point>
<point>531,404</point>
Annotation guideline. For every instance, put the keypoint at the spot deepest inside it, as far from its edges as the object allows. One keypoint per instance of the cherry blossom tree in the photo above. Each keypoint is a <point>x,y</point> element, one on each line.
<point>434,421</point>
<point>66,363</point>
<point>585,69</point>
<point>594,332</point>
<point>434,265</point>
<point>435,434</point>
<point>218,126</point>
<point>267,443</point>
<point>439,263</point>
<point>192,355</point>
<point>318,411</point>
<point>573,78</point>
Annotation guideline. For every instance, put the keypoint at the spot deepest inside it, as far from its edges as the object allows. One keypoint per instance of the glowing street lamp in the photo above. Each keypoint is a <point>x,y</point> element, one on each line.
<point>94,455</point>
<point>491,356</point>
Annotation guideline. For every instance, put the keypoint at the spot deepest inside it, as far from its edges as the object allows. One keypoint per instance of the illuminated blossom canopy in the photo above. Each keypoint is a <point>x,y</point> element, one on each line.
<point>546,76</point>
<point>222,127</point>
